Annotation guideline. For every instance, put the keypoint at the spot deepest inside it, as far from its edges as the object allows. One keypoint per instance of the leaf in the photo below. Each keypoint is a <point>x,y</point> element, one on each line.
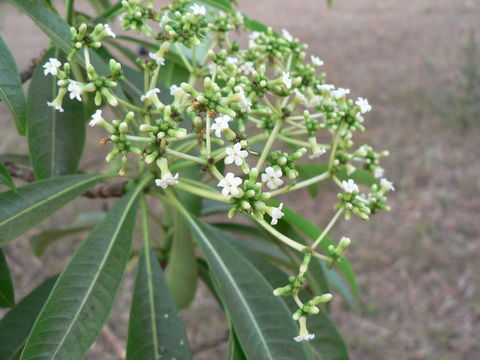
<point>7,297</point>
<point>32,203</point>
<point>55,139</point>
<point>182,271</point>
<point>312,232</point>
<point>16,158</point>
<point>155,328</point>
<point>262,321</point>
<point>11,91</point>
<point>40,242</point>
<point>85,292</point>
<point>5,177</point>
<point>17,323</point>
<point>235,351</point>
<point>328,343</point>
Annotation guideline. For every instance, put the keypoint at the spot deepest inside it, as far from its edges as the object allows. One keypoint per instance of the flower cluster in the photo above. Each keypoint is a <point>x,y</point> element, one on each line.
<point>246,117</point>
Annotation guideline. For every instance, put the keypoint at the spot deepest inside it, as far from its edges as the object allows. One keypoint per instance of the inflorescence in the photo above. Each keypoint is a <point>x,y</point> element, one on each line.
<point>259,110</point>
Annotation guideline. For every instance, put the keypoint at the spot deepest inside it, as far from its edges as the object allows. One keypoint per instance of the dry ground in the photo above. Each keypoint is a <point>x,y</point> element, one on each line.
<point>418,265</point>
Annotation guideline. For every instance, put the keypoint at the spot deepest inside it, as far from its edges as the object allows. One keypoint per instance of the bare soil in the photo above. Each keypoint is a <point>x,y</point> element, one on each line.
<point>418,265</point>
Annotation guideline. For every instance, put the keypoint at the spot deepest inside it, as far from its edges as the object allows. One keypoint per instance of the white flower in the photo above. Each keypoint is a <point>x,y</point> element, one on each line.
<point>378,173</point>
<point>340,92</point>
<point>165,19</point>
<point>167,180</point>
<point>108,30</point>
<point>176,90</point>
<point>316,61</point>
<point>363,105</point>
<point>230,184</point>
<point>314,101</point>
<point>247,68</point>
<point>231,60</point>
<point>56,105</point>
<point>150,95</point>
<point>156,58</point>
<point>349,186</point>
<point>75,90</point>
<point>272,177</point>
<point>287,35</point>
<point>235,154</point>
<point>327,87</point>
<point>317,153</point>
<point>221,123</point>
<point>198,9</point>
<point>276,214</point>
<point>306,337</point>
<point>96,118</point>
<point>245,104</point>
<point>300,96</point>
<point>253,36</point>
<point>386,185</point>
<point>51,66</point>
<point>286,80</point>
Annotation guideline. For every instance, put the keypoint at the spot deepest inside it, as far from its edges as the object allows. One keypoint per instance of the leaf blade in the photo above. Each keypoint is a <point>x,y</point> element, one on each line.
<point>7,297</point>
<point>34,202</point>
<point>5,177</point>
<point>55,139</point>
<point>85,292</point>
<point>11,91</point>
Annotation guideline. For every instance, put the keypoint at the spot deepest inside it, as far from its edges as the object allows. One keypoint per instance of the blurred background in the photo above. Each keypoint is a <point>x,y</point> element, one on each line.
<point>418,63</point>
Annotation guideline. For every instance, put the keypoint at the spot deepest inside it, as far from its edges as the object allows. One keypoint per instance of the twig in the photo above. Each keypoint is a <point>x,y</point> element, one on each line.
<point>98,191</point>
<point>26,73</point>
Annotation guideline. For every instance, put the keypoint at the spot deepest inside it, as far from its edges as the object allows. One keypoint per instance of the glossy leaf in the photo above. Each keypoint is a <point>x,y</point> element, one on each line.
<point>235,351</point>
<point>262,322</point>
<point>17,323</point>
<point>7,297</point>
<point>182,271</point>
<point>40,242</point>
<point>55,139</point>
<point>5,177</point>
<point>155,328</point>
<point>11,91</point>
<point>85,292</point>
<point>33,203</point>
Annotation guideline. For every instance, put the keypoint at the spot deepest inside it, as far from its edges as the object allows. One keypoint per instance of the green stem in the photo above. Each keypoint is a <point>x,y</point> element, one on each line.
<point>302,184</point>
<point>69,11</point>
<point>184,59</point>
<point>268,145</point>
<point>186,156</point>
<point>327,229</point>
<point>334,147</point>
<point>128,105</point>
<point>108,12</point>
<point>201,192</point>
<point>286,240</point>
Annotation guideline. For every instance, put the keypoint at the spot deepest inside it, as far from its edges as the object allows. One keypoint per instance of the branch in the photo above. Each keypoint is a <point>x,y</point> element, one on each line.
<point>98,191</point>
<point>27,72</point>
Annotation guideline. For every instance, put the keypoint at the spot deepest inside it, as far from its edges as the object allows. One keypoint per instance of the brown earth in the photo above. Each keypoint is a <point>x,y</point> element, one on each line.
<point>416,265</point>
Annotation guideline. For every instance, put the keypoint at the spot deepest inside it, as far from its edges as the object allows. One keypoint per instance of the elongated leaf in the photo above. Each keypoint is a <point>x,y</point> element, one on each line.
<point>5,177</point>
<point>40,242</point>
<point>262,322</point>
<point>155,329</point>
<point>182,271</point>
<point>55,138</point>
<point>328,343</point>
<point>85,292</point>
<point>17,323</point>
<point>312,232</point>
<point>7,298</point>
<point>235,351</point>
<point>11,91</point>
<point>33,203</point>
<point>16,158</point>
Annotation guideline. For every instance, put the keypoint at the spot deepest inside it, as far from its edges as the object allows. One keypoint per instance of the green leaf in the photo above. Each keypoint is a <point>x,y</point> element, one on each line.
<point>5,177</point>
<point>55,139</point>
<point>328,343</point>
<point>7,297</point>
<point>155,328</point>
<point>262,321</point>
<point>235,351</point>
<point>40,242</point>
<point>182,271</point>
<point>85,292</point>
<point>16,158</point>
<point>32,203</point>
<point>17,323</point>
<point>312,232</point>
<point>11,91</point>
